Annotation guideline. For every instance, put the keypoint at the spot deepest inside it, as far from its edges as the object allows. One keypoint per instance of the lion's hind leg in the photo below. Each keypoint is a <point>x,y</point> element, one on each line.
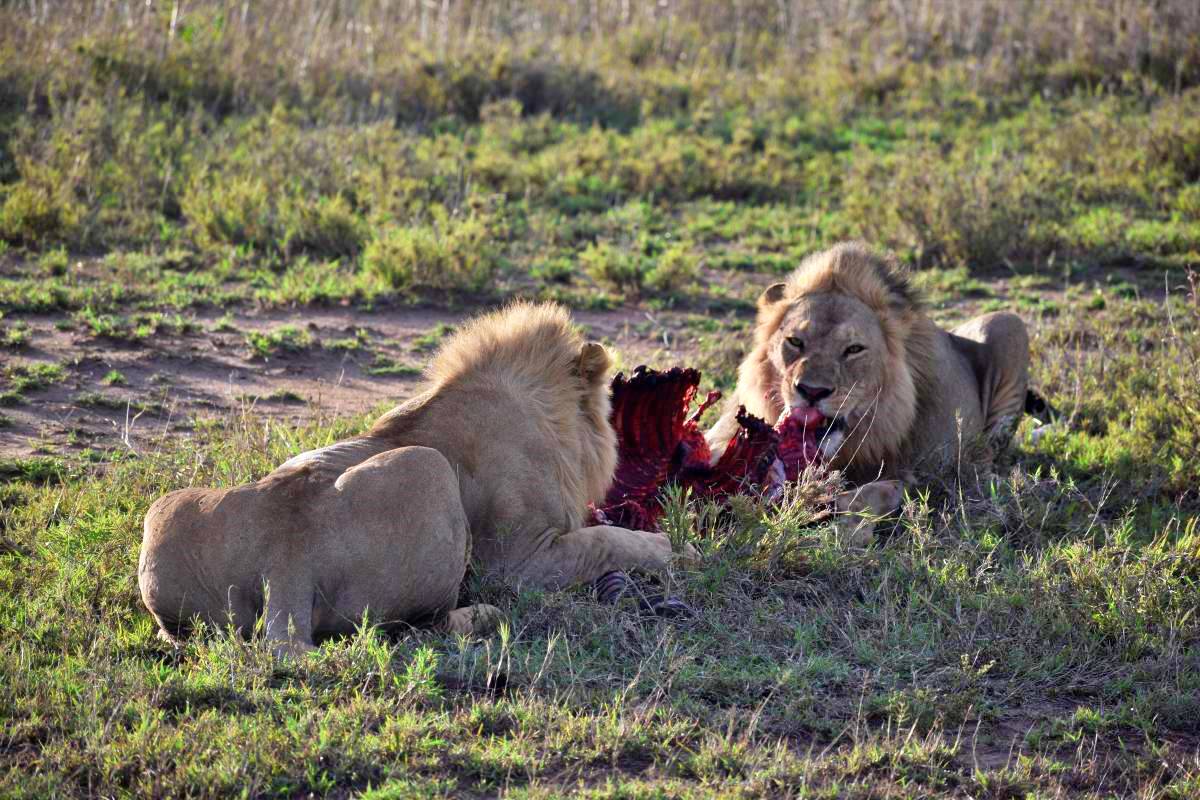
<point>1002,370</point>
<point>288,616</point>
<point>402,533</point>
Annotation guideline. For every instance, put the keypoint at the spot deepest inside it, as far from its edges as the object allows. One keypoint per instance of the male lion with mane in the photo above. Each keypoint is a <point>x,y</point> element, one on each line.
<point>497,459</point>
<point>845,344</point>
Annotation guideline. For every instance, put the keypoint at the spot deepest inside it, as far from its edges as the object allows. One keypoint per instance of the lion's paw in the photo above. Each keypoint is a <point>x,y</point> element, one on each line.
<point>480,619</point>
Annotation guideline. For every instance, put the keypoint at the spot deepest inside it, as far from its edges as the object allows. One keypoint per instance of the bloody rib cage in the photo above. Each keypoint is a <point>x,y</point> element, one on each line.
<point>658,443</point>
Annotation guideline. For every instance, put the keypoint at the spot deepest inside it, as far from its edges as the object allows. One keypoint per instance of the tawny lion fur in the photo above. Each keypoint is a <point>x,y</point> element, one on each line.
<point>496,460</point>
<point>846,333</point>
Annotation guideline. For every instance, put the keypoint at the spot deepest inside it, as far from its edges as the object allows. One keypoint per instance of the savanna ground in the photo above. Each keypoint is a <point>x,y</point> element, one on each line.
<point>229,231</point>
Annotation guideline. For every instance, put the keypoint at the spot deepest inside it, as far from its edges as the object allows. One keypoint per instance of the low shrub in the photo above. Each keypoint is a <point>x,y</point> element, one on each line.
<point>450,254</point>
<point>957,207</point>
<point>675,269</point>
<point>35,213</point>
<point>610,266</point>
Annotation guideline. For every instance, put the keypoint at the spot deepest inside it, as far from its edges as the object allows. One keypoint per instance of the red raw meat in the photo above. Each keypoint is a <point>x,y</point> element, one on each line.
<point>659,443</point>
<point>648,413</point>
<point>798,446</point>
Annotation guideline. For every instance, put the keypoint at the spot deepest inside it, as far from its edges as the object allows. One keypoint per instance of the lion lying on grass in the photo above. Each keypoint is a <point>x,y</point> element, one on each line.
<point>496,460</point>
<point>845,344</point>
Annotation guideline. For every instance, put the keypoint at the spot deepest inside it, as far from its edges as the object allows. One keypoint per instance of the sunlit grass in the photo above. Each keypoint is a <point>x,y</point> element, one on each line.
<point>1051,602</point>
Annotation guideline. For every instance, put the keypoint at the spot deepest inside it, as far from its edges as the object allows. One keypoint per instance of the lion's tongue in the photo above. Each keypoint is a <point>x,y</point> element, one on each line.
<point>808,417</point>
<point>798,446</point>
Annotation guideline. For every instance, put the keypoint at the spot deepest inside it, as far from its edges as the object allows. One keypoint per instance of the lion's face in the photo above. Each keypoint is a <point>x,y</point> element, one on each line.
<point>845,335</point>
<point>830,354</point>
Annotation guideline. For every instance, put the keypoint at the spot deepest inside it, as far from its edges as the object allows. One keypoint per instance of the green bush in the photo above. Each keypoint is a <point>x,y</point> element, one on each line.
<point>235,210</point>
<point>1165,238</point>
<point>278,187</point>
<point>328,227</point>
<point>640,268</point>
<point>609,266</point>
<point>960,207</point>
<point>243,210</point>
<point>455,254</point>
<point>677,267</point>
<point>113,136</point>
<point>33,213</point>
<point>1187,202</point>
<point>282,339</point>
<point>1174,136</point>
<point>99,170</point>
<point>1099,230</point>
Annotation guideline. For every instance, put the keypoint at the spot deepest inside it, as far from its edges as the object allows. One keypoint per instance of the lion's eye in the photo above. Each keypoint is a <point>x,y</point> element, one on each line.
<point>796,342</point>
<point>854,349</point>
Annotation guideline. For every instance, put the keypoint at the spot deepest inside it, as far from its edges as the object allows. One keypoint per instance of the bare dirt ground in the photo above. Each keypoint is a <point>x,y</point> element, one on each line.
<point>172,379</point>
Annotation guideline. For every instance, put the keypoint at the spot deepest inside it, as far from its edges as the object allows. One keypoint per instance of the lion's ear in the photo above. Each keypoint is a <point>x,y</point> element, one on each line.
<point>594,361</point>
<point>772,295</point>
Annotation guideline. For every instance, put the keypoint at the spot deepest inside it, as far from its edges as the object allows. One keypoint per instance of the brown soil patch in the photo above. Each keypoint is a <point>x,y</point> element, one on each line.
<point>171,379</point>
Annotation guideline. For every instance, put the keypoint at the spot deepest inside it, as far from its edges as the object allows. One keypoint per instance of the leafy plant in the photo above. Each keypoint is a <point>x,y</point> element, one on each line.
<point>281,339</point>
<point>455,254</point>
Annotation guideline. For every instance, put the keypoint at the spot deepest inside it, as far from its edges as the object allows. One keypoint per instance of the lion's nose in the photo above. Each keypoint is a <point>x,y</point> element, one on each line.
<point>813,394</point>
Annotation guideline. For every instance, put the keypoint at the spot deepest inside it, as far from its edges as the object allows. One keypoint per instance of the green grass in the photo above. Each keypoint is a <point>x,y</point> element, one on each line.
<point>427,342</point>
<point>286,338</point>
<point>359,341</point>
<point>382,365</point>
<point>110,402</point>
<point>493,178</point>
<point>20,379</point>
<point>285,396</point>
<point>31,472</point>
<point>1035,634</point>
<point>1049,611</point>
<point>965,617</point>
<point>132,328</point>
<point>14,335</point>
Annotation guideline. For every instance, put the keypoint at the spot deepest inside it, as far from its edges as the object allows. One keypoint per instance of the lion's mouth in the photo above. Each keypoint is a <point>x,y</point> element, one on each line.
<point>813,422</point>
<point>829,426</point>
<point>809,435</point>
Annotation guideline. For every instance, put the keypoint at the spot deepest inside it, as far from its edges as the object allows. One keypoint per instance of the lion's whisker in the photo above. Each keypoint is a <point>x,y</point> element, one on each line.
<point>863,439</point>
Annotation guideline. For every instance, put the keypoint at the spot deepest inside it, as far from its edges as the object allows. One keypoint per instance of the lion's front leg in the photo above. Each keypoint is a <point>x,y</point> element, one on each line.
<point>860,509</point>
<point>477,620</point>
<point>583,555</point>
<point>720,434</point>
<point>287,618</point>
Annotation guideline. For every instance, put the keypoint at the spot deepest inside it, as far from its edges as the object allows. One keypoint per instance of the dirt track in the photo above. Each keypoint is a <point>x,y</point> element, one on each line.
<point>172,378</point>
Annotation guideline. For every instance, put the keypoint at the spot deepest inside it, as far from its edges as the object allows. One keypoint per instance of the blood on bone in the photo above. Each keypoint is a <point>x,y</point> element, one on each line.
<point>659,442</point>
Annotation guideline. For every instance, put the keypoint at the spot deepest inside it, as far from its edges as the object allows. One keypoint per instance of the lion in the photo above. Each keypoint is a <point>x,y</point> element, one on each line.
<point>897,396</point>
<point>494,462</point>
